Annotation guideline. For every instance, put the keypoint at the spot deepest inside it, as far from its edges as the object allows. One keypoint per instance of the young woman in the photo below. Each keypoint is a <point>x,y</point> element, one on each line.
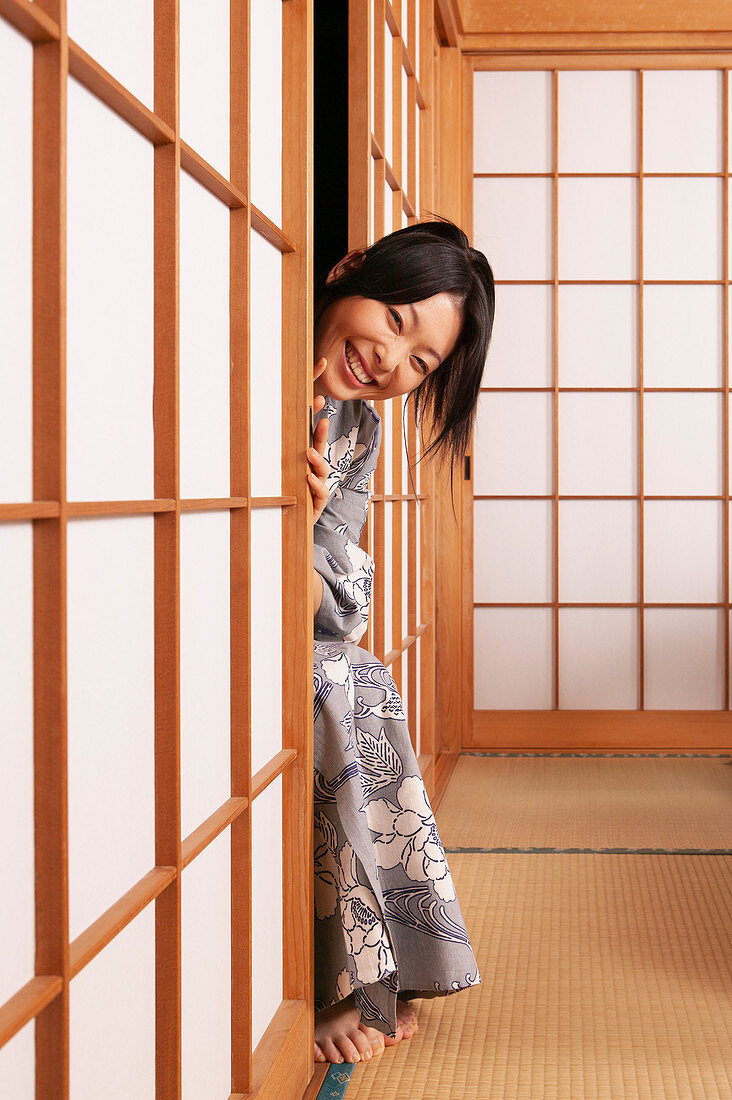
<point>410,315</point>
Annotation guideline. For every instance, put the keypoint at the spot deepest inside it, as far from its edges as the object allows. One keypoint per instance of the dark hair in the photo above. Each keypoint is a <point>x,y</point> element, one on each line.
<point>413,264</point>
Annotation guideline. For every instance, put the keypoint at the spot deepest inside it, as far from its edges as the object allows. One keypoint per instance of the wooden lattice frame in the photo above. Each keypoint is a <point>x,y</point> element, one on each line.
<point>601,729</point>
<point>282,1063</point>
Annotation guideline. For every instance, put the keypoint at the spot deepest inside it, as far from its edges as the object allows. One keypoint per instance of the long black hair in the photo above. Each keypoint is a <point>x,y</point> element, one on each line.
<point>410,265</point>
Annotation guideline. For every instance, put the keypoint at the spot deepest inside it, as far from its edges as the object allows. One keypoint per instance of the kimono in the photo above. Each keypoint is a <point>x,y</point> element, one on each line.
<point>387,919</point>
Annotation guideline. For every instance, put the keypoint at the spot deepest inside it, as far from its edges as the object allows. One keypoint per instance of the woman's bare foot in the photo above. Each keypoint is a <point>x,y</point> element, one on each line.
<point>340,1036</point>
<point>407,1018</point>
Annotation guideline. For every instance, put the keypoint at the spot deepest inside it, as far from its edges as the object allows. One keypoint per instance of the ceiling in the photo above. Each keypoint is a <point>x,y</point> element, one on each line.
<point>583,16</point>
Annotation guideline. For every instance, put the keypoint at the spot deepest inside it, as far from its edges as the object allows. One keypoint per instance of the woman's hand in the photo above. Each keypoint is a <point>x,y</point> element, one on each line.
<point>319,467</point>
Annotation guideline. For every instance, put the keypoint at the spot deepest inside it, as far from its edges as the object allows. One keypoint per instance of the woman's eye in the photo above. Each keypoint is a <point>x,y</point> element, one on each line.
<point>397,318</point>
<point>422,365</point>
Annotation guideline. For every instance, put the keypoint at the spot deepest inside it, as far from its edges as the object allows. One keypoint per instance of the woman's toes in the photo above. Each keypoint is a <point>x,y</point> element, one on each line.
<point>331,1051</point>
<point>375,1038</point>
<point>390,1042</point>
<point>361,1043</point>
<point>348,1050</point>
<point>319,1056</point>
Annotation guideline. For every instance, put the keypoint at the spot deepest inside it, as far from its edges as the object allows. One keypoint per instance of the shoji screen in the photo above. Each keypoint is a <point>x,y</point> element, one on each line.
<point>155,764</point>
<point>601,457</point>
<point>391,134</point>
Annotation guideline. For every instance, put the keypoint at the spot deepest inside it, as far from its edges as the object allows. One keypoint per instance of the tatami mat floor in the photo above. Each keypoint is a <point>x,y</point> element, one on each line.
<point>605,975</point>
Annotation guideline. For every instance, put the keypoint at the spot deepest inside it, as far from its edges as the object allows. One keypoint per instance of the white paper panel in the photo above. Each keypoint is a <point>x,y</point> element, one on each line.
<point>415,53</point>
<point>598,336</point>
<point>513,658</point>
<point>204,342</point>
<point>110,304</point>
<point>683,442</point>
<point>266,605</point>
<point>684,659</point>
<point>388,96</point>
<point>372,78</point>
<point>598,443</point>
<point>16,234</point>
<point>405,417</point>
<point>17,922</point>
<point>598,659</point>
<point>598,121</point>
<point>598,551</point>
<point>18,1065</point>
<point>421,519</point>
<point>205,697</point>
<point>388,210</point>
<point>406,180</point>
<point>372,202</point>
<point>406,570</point>
<point>387,419</point>
<point>512,447</point>
<point>204,79</point>
<point>123,45</point>
<point>593,246</point>
<point>418,162</point>
<point>418,700</point>
<point>387,578</point>
<point>266,907</point>
<point>683,336</point>
<point>512,122</point>
<point>206,972</point>
<point>682,121</point>
<point>266,108</point>
<point>729,125</point>
<point>512,551</point>
<point>693,207</point>
<point>111,715</point>
<point>513,226</point>
<point>266,368</point>
<point>112,1017</point>
<point>683,551</point>
<point>520,354</point>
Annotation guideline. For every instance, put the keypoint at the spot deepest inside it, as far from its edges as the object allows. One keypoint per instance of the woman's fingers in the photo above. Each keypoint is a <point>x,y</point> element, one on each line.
<point>320,435</point>
<point>319,468</point>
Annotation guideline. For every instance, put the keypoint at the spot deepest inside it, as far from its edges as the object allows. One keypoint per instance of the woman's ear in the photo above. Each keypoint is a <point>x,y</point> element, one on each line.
<point>350,262</point>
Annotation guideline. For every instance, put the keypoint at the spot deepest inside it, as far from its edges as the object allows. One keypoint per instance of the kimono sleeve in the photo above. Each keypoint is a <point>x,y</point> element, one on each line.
<point>346,570</point>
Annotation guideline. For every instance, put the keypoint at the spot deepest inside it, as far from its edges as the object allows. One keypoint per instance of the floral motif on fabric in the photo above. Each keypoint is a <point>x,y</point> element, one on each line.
<point>407,834</point>
<point>337,884</point>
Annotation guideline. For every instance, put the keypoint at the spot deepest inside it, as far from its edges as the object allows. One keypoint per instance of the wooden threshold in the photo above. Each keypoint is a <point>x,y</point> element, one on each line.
<point>502,730</point>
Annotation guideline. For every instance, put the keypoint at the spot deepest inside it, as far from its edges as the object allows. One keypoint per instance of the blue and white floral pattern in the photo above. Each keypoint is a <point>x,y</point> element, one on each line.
<point>387,917</point>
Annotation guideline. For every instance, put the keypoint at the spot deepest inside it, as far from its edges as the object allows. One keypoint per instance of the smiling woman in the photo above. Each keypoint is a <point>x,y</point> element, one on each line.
<point>410,315</point>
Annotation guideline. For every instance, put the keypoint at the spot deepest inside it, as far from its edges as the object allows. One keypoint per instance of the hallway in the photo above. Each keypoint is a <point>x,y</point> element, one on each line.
<point>597,890</point>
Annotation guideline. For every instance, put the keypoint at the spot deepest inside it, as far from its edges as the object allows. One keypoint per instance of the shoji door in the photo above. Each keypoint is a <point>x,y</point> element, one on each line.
<point>155,764</point>
<point>601,458</point>
<point>391,136</point>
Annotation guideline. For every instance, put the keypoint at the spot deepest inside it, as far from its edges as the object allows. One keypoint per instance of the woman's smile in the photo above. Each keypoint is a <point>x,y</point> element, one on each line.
<point>355,366</point>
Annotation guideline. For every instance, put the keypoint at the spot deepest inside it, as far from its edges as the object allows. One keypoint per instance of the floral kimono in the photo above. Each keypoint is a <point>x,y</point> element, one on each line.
<point>387,919</point>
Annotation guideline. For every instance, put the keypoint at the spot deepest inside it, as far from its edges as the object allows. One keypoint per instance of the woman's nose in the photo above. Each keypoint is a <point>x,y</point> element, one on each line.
<point>387,359</point>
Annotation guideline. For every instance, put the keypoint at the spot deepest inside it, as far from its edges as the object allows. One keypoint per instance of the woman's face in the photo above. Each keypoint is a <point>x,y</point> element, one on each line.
<point>379,351</point>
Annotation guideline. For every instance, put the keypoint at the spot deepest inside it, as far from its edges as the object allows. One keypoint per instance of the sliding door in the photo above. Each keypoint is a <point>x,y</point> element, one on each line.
<point>391,144</point>
<point>155,762</point>
<point>601,543</point>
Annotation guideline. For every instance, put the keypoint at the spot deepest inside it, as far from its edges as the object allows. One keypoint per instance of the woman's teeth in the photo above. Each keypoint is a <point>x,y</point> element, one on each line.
<point>355,364</point>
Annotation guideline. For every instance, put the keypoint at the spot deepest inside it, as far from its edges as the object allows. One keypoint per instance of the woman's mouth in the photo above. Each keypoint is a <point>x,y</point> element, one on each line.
<point>354,367</point>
